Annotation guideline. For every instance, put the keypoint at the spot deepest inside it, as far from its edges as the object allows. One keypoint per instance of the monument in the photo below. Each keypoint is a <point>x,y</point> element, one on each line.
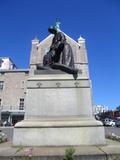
<point>59,96</point>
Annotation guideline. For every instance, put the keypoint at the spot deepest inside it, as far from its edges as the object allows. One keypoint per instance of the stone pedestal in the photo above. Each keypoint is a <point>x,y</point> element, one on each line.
<point>58,113</point>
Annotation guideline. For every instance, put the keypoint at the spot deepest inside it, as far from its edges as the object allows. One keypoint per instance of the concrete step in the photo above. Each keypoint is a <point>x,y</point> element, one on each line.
<point>111,150</point>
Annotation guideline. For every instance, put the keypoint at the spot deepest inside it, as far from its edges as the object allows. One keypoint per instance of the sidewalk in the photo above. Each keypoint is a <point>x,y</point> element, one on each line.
<point>111,150</point>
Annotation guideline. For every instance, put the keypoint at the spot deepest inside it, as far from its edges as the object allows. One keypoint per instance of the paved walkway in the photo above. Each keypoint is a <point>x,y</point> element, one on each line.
<point>81,152</point>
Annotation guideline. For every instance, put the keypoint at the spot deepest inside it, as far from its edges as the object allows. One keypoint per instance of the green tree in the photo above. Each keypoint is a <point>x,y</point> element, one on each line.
<point>118,108</point>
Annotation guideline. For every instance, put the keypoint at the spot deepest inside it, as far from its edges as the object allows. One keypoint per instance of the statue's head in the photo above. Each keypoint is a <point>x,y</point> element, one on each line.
<point>56,28</point>
<point>52,30</point>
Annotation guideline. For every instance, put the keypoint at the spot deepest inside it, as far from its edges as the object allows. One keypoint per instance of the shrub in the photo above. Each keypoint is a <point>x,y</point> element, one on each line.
<point>113,137</point>
<point>69,154</point>
<point>3,137</point>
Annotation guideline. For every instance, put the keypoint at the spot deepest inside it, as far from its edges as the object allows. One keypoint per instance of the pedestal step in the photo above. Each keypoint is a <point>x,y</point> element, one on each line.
<point>58,133</point>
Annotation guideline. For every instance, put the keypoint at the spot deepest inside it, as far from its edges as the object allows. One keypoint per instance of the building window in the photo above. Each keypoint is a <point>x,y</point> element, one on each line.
<point>21,106</point>
<point>1,85</point>
<point>0,102</point>
<point>22,84</point>
<point>26,73</point>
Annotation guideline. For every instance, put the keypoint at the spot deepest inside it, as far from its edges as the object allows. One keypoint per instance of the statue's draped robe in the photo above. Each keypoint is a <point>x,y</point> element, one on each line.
<point>60,52</point>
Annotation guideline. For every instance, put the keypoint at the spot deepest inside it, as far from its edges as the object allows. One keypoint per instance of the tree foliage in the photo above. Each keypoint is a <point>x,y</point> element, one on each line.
<point>118,108</point>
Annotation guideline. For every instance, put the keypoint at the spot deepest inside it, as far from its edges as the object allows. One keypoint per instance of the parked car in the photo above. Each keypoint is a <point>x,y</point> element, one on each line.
<point>108,122</point>
<point>6,124</point>
<point>117,123</point>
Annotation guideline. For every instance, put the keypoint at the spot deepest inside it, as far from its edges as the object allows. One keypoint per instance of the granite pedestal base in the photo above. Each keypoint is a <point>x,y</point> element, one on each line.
<point>63,132</point>
<point>58,113</point>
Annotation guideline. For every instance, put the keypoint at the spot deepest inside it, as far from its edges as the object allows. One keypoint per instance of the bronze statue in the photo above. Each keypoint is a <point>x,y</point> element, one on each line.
<point>60,55</point>
<point>60,51</point>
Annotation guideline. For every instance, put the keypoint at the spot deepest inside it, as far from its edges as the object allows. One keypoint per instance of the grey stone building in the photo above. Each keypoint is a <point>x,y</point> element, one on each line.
<point>13,81</point>
<point>12,94</point>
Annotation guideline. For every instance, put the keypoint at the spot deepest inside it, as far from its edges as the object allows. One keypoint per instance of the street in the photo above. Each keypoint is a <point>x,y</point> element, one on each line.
<point>114,130</point>
<point>8,131</point>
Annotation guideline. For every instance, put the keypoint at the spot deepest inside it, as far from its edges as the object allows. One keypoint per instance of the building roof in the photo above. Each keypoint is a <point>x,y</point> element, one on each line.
<point>14,70</point>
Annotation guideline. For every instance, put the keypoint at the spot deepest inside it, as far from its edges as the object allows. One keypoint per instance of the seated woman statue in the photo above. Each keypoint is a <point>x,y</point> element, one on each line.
<point>60,55</point>
<point>60,51</point>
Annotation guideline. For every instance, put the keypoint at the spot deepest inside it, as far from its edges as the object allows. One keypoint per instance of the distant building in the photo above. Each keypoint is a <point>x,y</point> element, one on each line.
<point>100,109</point>
<point>6,64</point>
<point>12,94</point>
<point>116,114</point>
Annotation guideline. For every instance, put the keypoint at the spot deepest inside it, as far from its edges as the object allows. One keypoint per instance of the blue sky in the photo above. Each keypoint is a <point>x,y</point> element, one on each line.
<point>98,21</point>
